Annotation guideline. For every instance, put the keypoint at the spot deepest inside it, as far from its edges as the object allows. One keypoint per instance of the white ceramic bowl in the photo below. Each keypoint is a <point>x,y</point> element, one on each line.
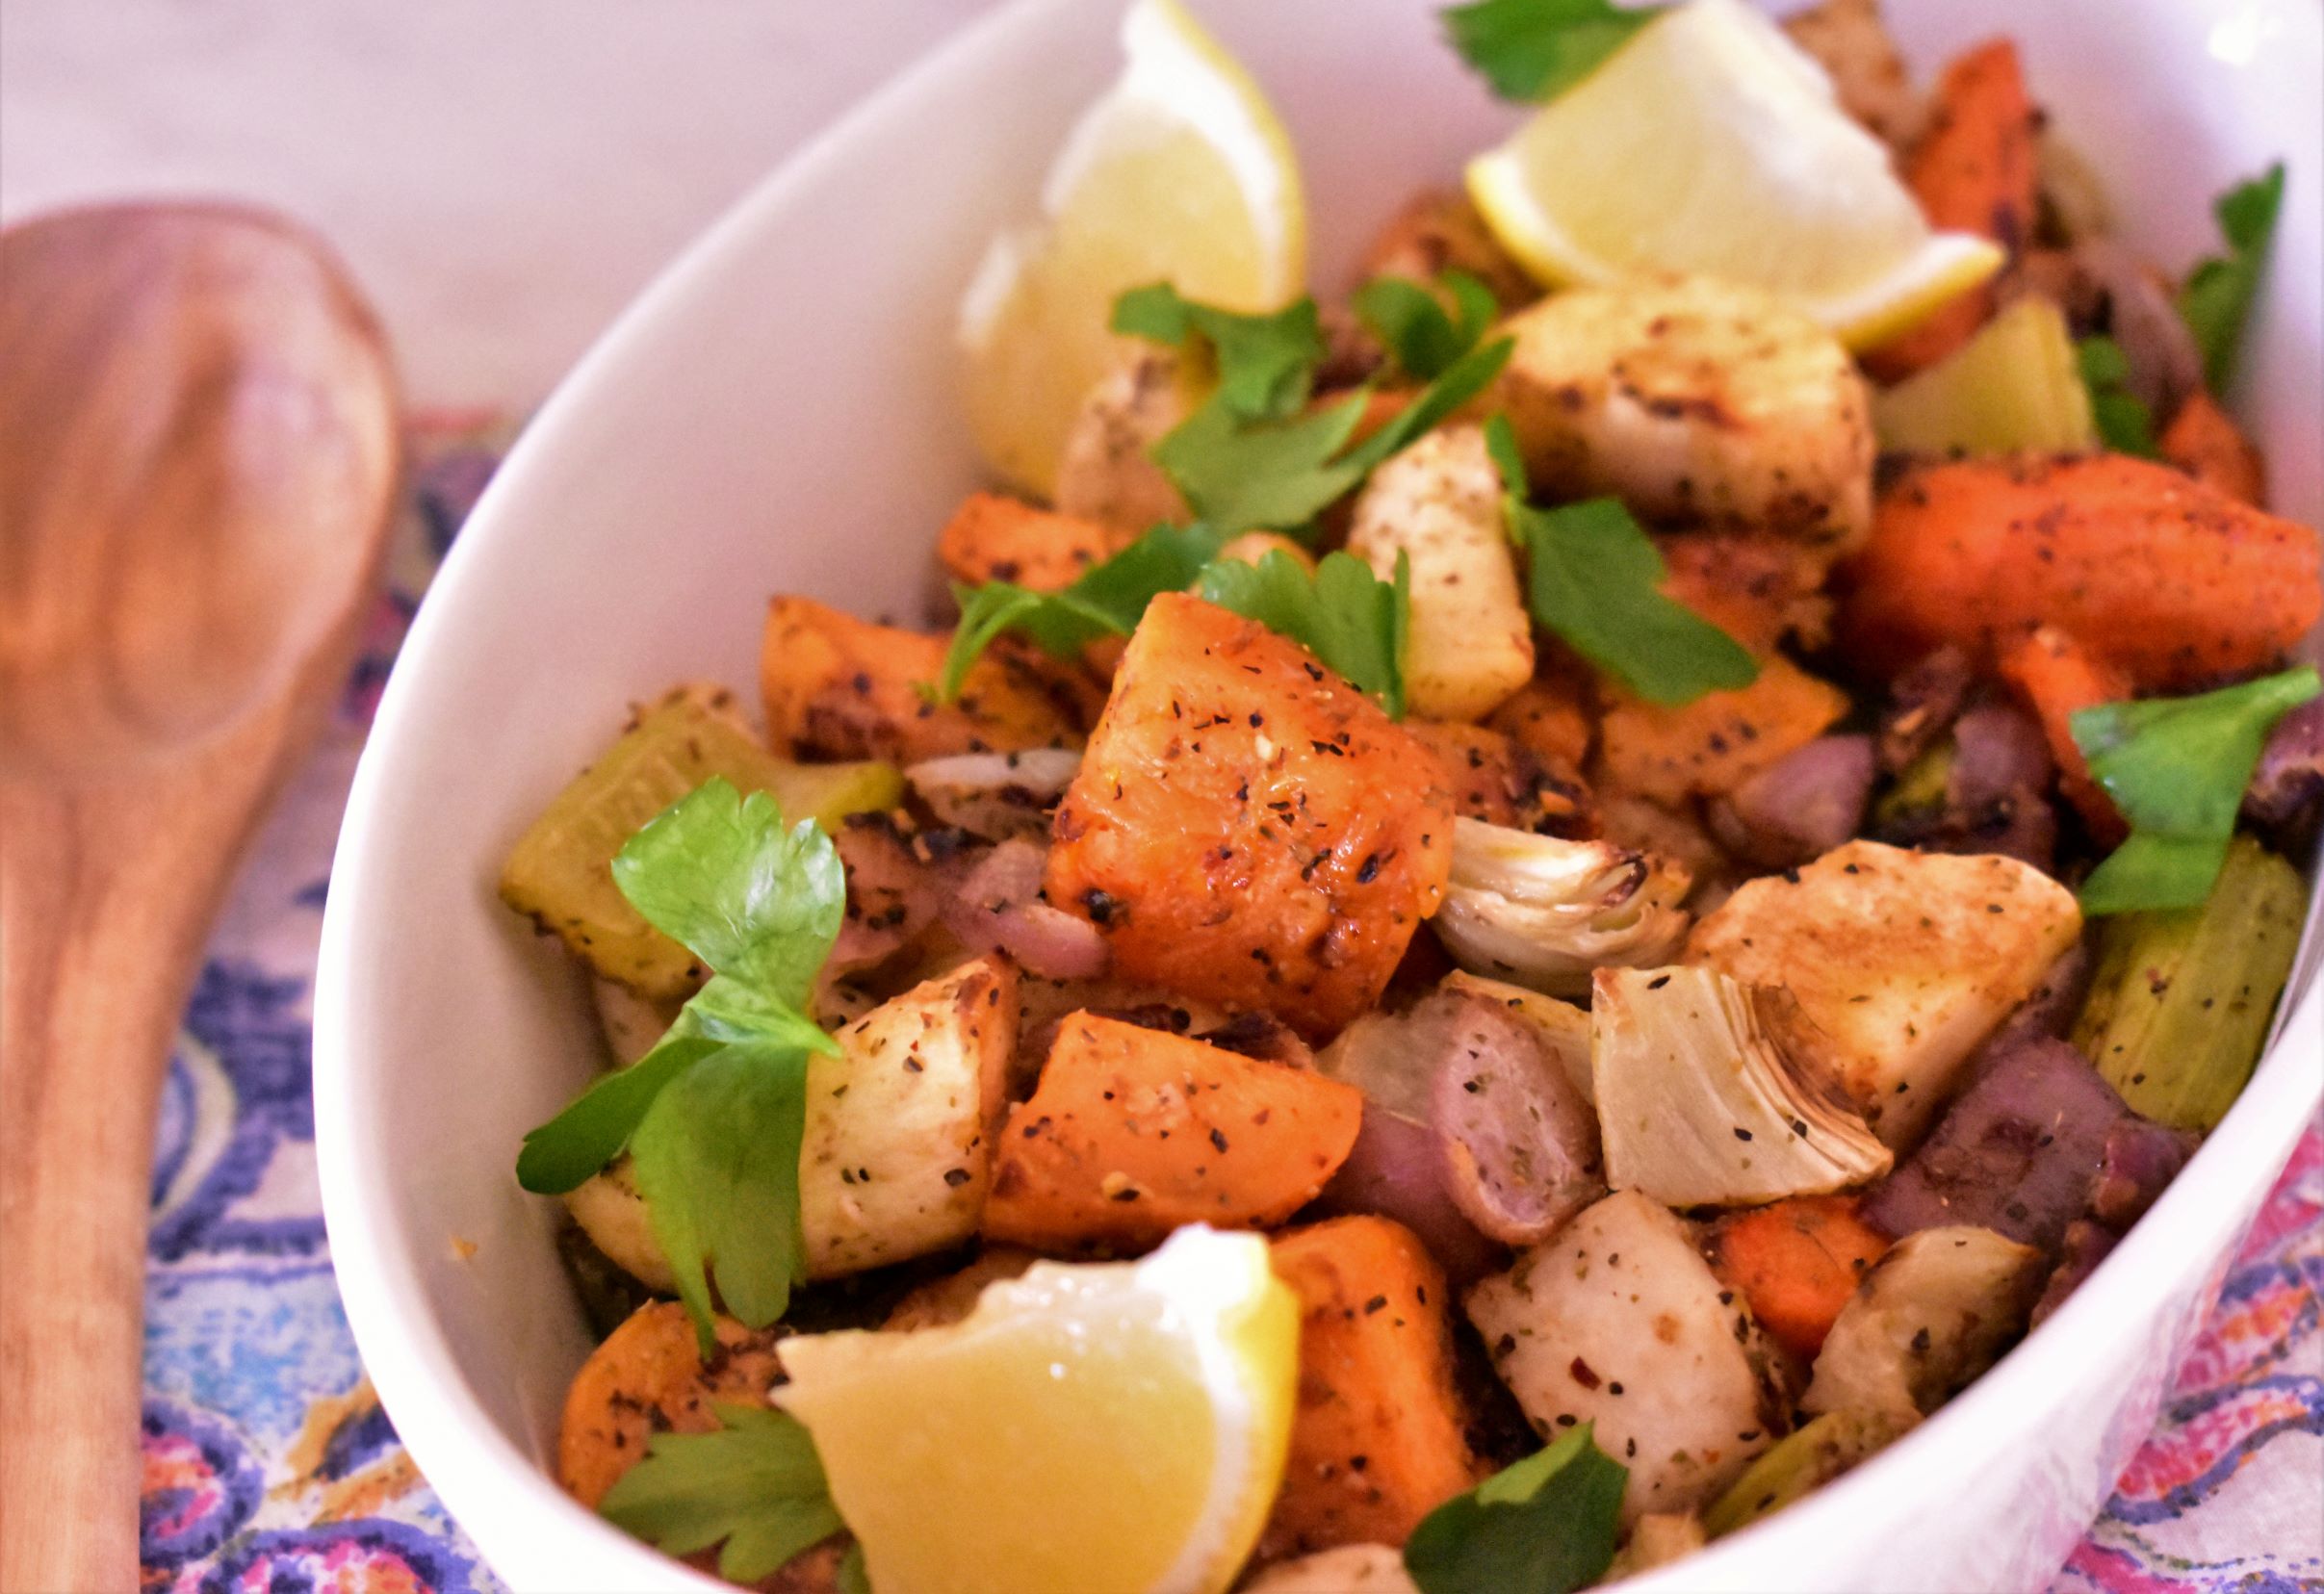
<point>776,415</point>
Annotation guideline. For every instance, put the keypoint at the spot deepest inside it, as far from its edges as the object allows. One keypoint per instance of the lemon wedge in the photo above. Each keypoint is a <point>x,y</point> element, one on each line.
<point>1712,144</point>
<point>1117,1426</point>
<point>1180,171</point>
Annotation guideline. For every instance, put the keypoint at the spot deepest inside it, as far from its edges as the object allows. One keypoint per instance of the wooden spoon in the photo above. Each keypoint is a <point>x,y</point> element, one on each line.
<point>198,455</point>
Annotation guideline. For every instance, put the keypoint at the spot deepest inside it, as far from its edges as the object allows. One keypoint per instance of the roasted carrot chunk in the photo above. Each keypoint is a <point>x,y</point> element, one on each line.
<point>2056,677</point>
<point>1556,713</point>
<point>1380,1436</point>
<point>1247,827</point>
<point>839,687</point>
<point>2170,581</point>
<point>649,1377</point>
<point>1496,777</point>
<point>1798,1263</point>
<point>992,537</point>
<point>2204,442</point>
<point>1132,1132</point>
<point>1711,746</point>
<point>1974,170</point>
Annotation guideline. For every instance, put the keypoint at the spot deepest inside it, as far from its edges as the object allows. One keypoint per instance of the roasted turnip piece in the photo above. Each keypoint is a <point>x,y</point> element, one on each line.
<point>1657,1540</point>
<point>999,907</point>
<point>1901,962</point>
<point>1933,1313</point>
<point>1802,1461</point>
<point>1520,1142</point>
<point>613,1213</point>
<point>997,796</point>
<point>1105,472</point>
<point>897,1149</point>
<point>1561,1026</point>
<point>632,1023</point>
<point>1809,803</point>
<point>2019,1153</point>
<point>1619,1322</point>
<point>1700,1103</point>
<point>1543,912</point>
<point>894,892</point>
<point>1349,1569</point>
<point>1397,1169</point>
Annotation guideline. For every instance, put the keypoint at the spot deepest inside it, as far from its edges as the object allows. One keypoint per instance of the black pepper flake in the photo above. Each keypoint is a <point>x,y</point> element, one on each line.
<point>1583,1373</point>
<point>1658,982</point>
<point>1377,1303</point>
<point>1218,1140</point>
<point>956,1176</point>
<point>1741,1133</point>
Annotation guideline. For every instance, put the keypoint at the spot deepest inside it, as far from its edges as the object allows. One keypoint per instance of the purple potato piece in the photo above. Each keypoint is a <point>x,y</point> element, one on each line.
<point>1520,1144</point>
<point>2019,1152</point>
<point>2000,752</point>
<point>1926,701</point>
<point>1801,806</point>
<point>2287,787</point>
<point>2139,1159</point>
<point>2044,1015</point>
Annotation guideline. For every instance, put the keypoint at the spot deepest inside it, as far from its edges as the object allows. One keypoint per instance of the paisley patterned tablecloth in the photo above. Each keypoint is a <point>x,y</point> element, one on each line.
<point>270,1468</point>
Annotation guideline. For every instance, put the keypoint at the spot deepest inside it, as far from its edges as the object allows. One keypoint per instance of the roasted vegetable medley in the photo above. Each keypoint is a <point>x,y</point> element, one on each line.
<point>1508,919</point>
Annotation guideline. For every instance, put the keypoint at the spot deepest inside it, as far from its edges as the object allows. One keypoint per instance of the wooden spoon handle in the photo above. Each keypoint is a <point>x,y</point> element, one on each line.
<point>105,893</point>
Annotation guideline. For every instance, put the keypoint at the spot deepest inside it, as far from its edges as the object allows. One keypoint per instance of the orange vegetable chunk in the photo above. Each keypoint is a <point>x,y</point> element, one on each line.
<point>1248,828</point>
<point>2057,678</point>
<point>649,1377</point>
<point>1797,1262</point>
<point>1975,170</point>
<point>2203,441</point>
<point>1709,747</point>
<point>1132,1132</point>
<point>1380,1437</point>
<point>2169,581</point>
<point>992,537</point>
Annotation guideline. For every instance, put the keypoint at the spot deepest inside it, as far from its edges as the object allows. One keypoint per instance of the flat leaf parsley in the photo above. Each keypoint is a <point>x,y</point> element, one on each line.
<point>2217,296</point>
<point>1345,615</point>
<point>1545,1525</point>
<point>1534,50</point>
<point>712,1116</point>
<point>755,1486</point>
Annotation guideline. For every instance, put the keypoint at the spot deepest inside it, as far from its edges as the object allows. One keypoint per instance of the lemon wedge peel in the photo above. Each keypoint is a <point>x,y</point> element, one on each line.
<point>1712,144</point>
<point>1212,1338</point>
<point>1179,171</point>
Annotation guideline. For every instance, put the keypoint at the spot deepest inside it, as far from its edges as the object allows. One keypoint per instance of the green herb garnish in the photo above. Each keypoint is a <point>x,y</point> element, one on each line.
<point>1106,600</point>
<point>1545,1525</point>
<point>2218,292</point>
<point>1421,336</point>
<point>1531,51</point>
<point>2124,422</point>
<point>755,1486</point>
<point>1266,364</point>
<point>2176,769</point>
<point>1345,615</point>
<point>708,1113</point>
<point>1594,578</point>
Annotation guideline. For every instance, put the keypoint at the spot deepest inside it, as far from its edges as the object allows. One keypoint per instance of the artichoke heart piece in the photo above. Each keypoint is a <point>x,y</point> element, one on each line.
<point>1543,912</point>
<point>1933,1313</point>
<point>1802,1461</point>
<point>1700,1102</point>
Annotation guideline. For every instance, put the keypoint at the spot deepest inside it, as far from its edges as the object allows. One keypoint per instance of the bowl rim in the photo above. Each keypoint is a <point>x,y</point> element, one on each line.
<point>501,1497</point>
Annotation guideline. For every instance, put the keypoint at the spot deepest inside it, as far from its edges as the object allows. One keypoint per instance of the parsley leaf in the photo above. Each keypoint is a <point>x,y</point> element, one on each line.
<point>2124,422</point>
<point>1106,600</point>
<point>1280,475</point>
<point>1594,578</point>
<point>718,874</point>
<point>1345,615</point>
<point>756,1484</point>
<point>1534,50</point>
<point>1421,336</point>
<point>1545,1525</point>
<point>717,1161</point>
<point>1266,362</point>
<point>715,1113</point>
<point>2218,292</point>
<point>2177,768</point>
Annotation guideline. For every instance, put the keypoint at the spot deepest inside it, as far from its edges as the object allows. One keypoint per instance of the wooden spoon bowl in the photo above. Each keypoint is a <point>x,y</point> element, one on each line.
<point>198,455</point>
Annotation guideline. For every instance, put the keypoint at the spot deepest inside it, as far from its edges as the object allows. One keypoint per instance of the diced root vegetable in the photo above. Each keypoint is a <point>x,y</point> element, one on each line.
<point>992,537</point>
<point>1798,1263</point>
<point>2058,679</point>
<point>1801,1462</point>
<point>2152,572</point>
<point>1377,1439</point>
<point>1497,780</point>
<point>2181,1001</point>
<point>559,872</point>
<point>2015,385</point>
<point>2203,441</point>
<point>1349,1569</point>
<point>1903,962</point>
<point>839,687</point>
<point>1711,746</point>
<point>1932,1314</point>
<point>897,1153</point>
<point>1438,505</point>
<point>1133,1132</point>
<point>1246,828</point>
<point>1620,1322</point>
<point>649,1377</point>
<point>614,1215</point>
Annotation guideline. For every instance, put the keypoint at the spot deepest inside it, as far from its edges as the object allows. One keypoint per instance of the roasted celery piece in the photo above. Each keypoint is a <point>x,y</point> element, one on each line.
<point>1804,1460</point>
<point>561,873</point>
<point>2017,384</point>
<point>2181,1001</point>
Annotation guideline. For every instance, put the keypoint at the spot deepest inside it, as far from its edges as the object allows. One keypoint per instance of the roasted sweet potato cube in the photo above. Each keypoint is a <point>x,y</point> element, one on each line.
<point>992,537</point>
<point>1248,828</point>
<point>1133,1132</point>
<point>1380,1436</point>
<point>839,687</point>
